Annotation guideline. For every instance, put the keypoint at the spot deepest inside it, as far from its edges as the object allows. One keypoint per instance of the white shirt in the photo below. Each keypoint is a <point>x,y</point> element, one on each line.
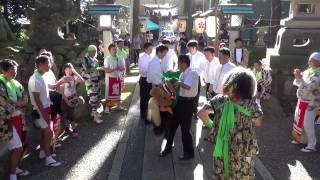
<point>170,61</point>
<point>49,77</point>
<point>196,62</point>
<point>210,69</point>
<point>238,54</point>
<point>220,74</point>
<point>69,88</point>
<point>190,78</point>
<point>154,74</point>
<point>37,84</point>
<point>113,64</point>
<point>143,64</point>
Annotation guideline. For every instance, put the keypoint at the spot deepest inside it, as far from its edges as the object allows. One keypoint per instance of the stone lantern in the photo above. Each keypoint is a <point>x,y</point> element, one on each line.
<point>300,34</point>
<point>296,40</point>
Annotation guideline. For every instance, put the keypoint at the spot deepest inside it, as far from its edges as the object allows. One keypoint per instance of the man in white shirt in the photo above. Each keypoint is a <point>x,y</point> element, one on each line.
<point>197,60</point>
<point>221,71</point>
<point>155,77</point>
<point>145,87</point>
<point>240,54</point>
<point>170,61</point>
<point>52,82</point>
<point>209,69</point>
<point>39,96</point>
<point>154,74</point>
<point>182,115</point>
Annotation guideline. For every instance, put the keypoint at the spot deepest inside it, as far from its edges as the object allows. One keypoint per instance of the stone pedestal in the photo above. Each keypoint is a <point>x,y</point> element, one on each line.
<point>295,42</point>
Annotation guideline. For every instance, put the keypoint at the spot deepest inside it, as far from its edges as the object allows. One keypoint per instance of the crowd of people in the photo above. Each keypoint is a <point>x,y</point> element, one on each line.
<point>234,93</point>
<point>55,99</point>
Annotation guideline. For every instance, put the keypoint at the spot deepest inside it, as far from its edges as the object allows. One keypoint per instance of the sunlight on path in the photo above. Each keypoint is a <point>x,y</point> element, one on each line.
<point>298,172</point>
<point>88,166</point>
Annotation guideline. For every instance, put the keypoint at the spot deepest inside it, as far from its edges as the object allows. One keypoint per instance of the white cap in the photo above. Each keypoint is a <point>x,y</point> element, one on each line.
<point>315,56</point>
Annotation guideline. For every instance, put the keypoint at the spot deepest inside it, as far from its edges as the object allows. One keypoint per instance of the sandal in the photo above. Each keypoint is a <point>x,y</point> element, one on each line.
<point>54,164</point>
<point>22,172</point>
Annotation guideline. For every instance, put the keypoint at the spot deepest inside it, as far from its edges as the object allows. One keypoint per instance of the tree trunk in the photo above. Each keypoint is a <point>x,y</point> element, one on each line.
<point>188,11</point>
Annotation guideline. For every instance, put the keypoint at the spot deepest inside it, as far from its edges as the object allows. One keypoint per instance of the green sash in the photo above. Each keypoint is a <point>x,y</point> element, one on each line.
<point>226,124</point>
<point>12,87</point>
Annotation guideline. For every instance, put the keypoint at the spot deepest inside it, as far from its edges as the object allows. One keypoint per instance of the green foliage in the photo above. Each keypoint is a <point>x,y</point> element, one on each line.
<point>22,35</point>
<point>15,9</point>
<point>86,17</point>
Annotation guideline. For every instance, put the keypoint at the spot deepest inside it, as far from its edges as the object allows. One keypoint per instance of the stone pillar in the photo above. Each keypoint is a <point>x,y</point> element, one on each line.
<point>107,39</point>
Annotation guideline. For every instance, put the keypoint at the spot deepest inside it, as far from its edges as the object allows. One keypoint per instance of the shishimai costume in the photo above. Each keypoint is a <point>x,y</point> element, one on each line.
<point>234,138</point>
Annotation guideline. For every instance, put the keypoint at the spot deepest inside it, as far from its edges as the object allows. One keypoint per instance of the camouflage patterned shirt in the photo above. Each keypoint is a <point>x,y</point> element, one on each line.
<point>6,109</point>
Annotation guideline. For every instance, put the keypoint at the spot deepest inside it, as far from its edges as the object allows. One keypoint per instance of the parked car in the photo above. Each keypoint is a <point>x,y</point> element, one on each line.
<point>167,34</point>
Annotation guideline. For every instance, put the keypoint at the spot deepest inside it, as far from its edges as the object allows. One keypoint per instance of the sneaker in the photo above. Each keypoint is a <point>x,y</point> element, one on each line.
<point>21,172</point>
<point>42,155</point>
<point>307,150</point>
<point>58,145</point>
<point>317,121</point>
<point>121,108</point>
<point>106,110</point>
<point>51,162</point>
<point>295,142</point>
<point>98,120</point>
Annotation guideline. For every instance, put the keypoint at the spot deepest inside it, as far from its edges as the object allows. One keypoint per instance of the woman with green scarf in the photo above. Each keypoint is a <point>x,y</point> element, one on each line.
<point>12,100</point>
<point>236,112</point>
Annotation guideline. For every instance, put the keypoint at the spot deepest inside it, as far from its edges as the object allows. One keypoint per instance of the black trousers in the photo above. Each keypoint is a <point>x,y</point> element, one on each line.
<point>136,56</point>
<point>56,99</point>
<point>182,116</point>
<point>145,88</point>
<point>196,100</point>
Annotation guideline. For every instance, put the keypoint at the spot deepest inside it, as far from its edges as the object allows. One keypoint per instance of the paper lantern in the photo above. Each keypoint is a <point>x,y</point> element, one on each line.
<point>182,25</point>
<point>143,26</point>
<point>200,24</point>
<point>211,26</point>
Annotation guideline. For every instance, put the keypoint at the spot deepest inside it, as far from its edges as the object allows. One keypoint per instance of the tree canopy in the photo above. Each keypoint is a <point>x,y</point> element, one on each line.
<point>15,9</point>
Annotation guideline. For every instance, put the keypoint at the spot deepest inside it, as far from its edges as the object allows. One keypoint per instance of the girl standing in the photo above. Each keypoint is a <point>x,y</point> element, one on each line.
<point>69,96</point>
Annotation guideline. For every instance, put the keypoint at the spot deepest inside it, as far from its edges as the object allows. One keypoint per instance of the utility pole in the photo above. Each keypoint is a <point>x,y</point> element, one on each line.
<point>135,24</point>
<point>275,20</point>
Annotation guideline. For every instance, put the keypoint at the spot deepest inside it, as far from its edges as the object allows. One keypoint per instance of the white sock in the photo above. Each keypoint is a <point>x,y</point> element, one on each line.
<point>13,177</point>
